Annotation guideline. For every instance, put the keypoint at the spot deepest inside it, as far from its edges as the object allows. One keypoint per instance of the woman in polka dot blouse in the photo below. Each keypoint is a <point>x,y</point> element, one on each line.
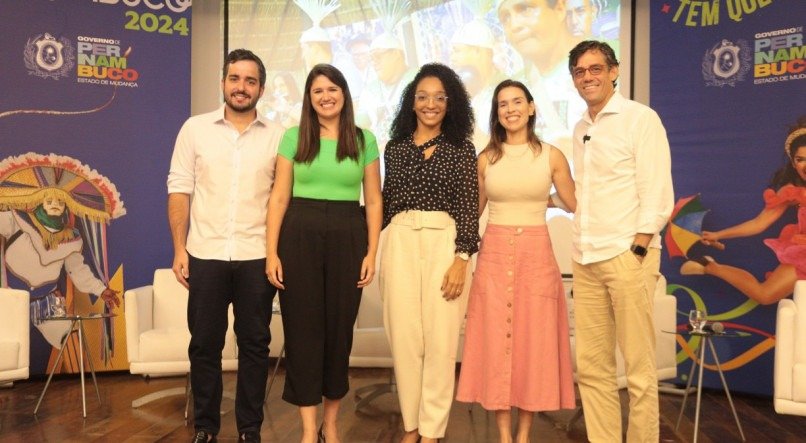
<point>430,208</point>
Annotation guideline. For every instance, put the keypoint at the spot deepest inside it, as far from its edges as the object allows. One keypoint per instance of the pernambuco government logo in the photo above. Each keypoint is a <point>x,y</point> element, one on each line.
<point>726,63</point>
<point>49,57</point>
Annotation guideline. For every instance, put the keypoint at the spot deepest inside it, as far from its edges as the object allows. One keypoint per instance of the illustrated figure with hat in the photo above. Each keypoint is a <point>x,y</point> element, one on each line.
<point>53,216</point>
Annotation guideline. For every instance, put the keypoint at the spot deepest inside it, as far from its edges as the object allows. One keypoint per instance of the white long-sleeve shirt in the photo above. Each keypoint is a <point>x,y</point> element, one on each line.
<point>229,176</point>
<point>622,168</point>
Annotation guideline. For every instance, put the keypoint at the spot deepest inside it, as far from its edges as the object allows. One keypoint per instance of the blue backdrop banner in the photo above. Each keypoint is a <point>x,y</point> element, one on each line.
<point>93,94</point>
<point>728,79</point>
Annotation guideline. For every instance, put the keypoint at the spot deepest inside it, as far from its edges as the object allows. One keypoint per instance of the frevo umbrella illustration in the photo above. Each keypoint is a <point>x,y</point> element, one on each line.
<point>685,226</point>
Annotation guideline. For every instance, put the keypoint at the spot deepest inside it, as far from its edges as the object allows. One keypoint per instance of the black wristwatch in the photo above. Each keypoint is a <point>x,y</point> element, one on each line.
<point>638,250</point>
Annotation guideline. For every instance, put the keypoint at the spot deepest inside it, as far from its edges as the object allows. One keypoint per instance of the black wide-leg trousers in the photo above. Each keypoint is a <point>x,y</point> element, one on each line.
<point>214,284</point>
<point>321,247</point>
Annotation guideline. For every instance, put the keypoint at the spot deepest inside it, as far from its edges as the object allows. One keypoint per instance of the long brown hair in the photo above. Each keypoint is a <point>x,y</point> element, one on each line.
<point>498,134</point>
<point>348,144</point>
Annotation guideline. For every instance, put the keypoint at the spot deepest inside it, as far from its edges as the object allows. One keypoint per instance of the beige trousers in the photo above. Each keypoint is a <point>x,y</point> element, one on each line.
<point>613,302</point>
<point>422,327</point>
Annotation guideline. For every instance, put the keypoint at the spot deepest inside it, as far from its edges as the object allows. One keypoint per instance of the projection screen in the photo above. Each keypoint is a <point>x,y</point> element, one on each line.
<point>379,45</point>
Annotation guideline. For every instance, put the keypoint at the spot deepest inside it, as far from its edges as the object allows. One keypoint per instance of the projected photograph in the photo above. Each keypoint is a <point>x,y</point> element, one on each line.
<point>379,45</point>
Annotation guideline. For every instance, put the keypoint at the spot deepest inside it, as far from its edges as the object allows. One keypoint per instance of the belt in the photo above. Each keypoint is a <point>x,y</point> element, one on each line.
<point>423,219</point>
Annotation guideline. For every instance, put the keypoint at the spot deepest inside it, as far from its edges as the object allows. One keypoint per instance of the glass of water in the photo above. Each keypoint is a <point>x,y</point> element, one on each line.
<point>58,308</point>
<point>697,320</point>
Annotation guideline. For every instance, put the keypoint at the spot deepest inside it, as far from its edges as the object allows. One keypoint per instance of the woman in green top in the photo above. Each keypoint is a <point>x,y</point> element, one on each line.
<point>321,245</point>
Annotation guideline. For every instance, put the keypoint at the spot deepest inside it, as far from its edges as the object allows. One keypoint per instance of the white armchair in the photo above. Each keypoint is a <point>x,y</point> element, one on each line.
<point>157,336</point>
<point>789,378</point>
<point>370,346</point>
<point>665,347</point>
<point>14,335</point>
<point>665,313</point>
<point>560,230</point>
<point>276,347</point>
<point>665,343</point>
<point>371,349</point>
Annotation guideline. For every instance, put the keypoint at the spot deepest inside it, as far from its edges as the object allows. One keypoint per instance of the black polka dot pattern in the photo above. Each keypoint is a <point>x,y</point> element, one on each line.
<point>447,181</point>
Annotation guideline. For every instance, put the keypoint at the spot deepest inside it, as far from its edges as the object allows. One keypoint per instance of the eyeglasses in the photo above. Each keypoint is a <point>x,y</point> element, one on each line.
<point>593,69</point>
<point>439,99</point>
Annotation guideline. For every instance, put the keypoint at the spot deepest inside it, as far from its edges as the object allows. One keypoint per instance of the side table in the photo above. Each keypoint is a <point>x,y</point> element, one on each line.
<point>76,326</point>
<point>705,341</point>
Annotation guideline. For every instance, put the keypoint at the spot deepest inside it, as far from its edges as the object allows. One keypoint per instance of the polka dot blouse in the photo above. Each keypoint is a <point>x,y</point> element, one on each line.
<point>447,181</point>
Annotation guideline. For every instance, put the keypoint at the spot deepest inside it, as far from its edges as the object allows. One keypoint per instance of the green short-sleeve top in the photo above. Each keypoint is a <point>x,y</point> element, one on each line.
<point>326,178</point>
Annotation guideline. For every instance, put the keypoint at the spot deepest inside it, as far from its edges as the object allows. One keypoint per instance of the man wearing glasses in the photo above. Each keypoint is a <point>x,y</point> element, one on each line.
<point>622,169</point>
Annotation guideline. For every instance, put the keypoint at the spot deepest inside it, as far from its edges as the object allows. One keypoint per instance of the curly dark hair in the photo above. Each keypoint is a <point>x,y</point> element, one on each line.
<point>796,139</point>
<point>458,123</point>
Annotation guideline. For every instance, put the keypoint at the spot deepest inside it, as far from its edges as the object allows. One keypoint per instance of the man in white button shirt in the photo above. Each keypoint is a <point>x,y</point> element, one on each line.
<point>624,194</point>
<point>218,191</point>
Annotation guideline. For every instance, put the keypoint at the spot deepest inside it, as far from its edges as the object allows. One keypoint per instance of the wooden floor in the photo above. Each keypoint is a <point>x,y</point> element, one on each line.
<point>59,418</point>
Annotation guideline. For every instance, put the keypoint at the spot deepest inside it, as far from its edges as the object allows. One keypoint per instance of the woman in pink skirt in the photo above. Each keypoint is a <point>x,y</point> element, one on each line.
<point>517,350</point>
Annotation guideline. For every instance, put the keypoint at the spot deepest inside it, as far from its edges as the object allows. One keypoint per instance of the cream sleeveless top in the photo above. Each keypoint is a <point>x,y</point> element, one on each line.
<point>518,186</point>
